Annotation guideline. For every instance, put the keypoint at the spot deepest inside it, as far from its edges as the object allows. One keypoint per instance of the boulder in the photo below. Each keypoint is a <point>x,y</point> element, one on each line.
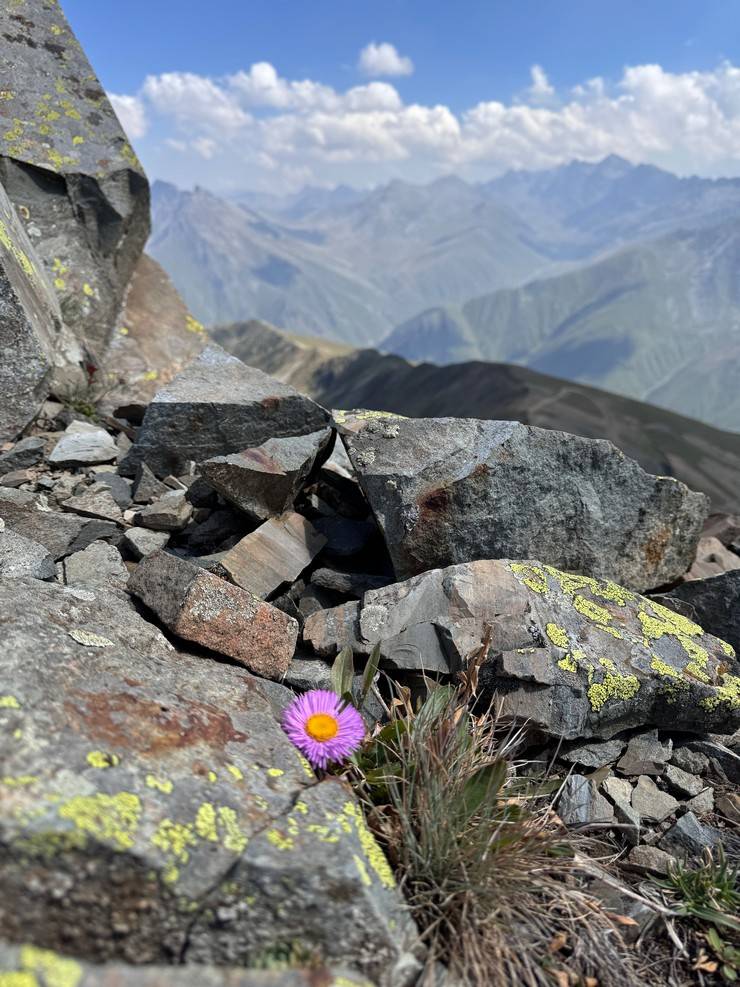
<point>714,603</point>
<point>30,323</point>
<point>154,812</point>
<point>28,966</point>
<point>579,657</point>
<point>451,490</point>
<point>265,481</point>
<point>276,553</point>
<point>68,168</point>
<point>215,407</point>
<point>200,607</point>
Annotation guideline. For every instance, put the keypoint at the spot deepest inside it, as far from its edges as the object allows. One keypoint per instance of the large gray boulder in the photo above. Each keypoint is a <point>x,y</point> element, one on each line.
<point>68,167</point>
<point>154,812</point>
<point>218,406</point>
<point>450,490</point>
<point>30,323</point>
<point>576,656</point>
<point>28,966</point>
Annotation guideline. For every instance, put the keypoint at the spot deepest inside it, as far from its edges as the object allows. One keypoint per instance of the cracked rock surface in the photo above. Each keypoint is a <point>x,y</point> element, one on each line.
<point>153,792</point>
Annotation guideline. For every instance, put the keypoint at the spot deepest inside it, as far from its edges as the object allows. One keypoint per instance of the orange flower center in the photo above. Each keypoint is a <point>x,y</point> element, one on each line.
<point>322,726</point>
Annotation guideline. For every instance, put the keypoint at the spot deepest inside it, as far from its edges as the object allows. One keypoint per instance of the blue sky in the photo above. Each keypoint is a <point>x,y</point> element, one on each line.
<point>475,87</point>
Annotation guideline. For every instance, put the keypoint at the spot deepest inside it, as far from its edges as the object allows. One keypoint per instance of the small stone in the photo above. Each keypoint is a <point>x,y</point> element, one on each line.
<point>703,803</point>
<point>146,486</point>
<point>728,806</point>
<point>60,534</point>
<point>16,478</point>
<point>27,452</point>
<point>619,792</point>
<point>682,782</point>
<point>213,532</point>
<point>20,556</point>
<point>265,481</point>
<point>694,762</point>
<point>688,837</point>
<point>645,755</point>
<point>95,501</point>
<point>305,674</point>
<point>276,553</point>
<point>99,565</point>
<point>142,541</point>
<point>202,608</point>
<point>330,630</point>
<point>170,513</point>
<point>82,443</point>
<point>650,860</point>
<point>712,559</point>
<point>90,640</point>
<point>650,802</point>
<point>594,755</point>
<point>580,804</point>
<point>119,486</point>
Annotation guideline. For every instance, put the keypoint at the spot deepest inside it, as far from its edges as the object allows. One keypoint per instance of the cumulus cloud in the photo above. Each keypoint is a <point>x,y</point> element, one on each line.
<point>263,126</point>
<point>130,111</point>
<point>383,59</point>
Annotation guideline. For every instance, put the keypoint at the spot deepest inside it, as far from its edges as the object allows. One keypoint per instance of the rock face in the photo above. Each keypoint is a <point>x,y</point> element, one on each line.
<point>714,602</point>
<point>153,793</point>
<point>264,482</point>
<point>30,323</point>
<point>202,608</point>
<point>215,407</point>
<point>577,656</point>
<point>450,490</point>
<point>68,167</point>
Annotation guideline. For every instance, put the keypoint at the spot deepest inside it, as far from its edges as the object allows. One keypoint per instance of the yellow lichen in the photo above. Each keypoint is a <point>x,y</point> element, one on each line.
<point>279,841</point>
<point>87,290</point>
<point>613,686</point>
<point>192,325</point>
<point>205,822</point>
<point>18,781</point>
<point>235,772</point>
<point>234,839</point>
<point>160,784</point>
<point>55,971</point>
<point>174,838</point>
<point>728,692</point>
<point>362,870</point>
<point>727,648</point>
<point>21,257</point>
<point>557,635</point>
<point>9,702</point>
<point>591,610</point>
<point>110,818</point>
<point>373,853</point>
<point>531,575</point>
<point>275,772</point>
<point>100,759</point>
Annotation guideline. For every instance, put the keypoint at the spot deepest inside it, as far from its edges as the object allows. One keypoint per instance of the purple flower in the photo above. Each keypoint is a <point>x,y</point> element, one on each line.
<point>320,729</point>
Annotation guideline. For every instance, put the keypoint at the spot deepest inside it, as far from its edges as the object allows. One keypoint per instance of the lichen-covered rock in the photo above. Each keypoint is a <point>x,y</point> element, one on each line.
<point>68,167</point>
<point>714,603</point>
<point>449,490</point>
<point>30,323</point>
<point>215,407</point>
<point>579,657</point>
<point>28,966</point>
<point>153,811</point>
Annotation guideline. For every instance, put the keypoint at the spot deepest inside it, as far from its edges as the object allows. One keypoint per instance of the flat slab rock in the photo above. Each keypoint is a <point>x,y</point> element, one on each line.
<point>153,793</point>
<point>27,964</point>
<point>83,443</point>
<point>215,407</point>
<point>577,656</point>
<point>207,610</point>
<point>60,534</point>
<point>450,490</point>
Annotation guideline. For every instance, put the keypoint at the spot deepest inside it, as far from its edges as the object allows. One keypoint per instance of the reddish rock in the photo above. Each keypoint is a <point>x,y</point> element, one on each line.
<point>200,607</point>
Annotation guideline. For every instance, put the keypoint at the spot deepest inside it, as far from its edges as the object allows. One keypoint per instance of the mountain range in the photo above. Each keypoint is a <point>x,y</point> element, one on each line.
<point>610,274</point>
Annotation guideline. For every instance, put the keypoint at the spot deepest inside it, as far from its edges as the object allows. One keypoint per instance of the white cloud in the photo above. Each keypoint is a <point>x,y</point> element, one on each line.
<point>256,126</point>
<point>540,91</point>
<point>383,59</point>
<point>132,115</point>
